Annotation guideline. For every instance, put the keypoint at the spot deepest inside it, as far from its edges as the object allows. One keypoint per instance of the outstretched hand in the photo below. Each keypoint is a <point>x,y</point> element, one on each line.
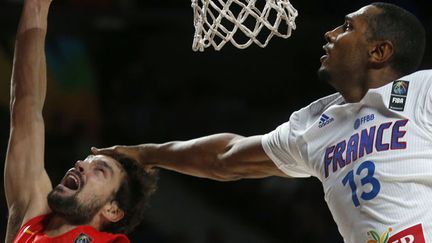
<point>135,152</point>
<point>131,152</point>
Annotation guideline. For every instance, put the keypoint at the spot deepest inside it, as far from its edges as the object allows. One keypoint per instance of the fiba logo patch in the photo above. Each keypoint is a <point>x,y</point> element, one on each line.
<point>398,95</point>
<point>83,238</point>
<point>400,87</point>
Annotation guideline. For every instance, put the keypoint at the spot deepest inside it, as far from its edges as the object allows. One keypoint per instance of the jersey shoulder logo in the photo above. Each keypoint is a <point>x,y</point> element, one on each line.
<point>363,120</point>
<point>83,238</point>
<point>398,95</point>
<point>325,120</point>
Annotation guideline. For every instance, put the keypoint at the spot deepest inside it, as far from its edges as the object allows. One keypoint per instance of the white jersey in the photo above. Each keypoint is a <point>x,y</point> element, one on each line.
<point>374,159</point>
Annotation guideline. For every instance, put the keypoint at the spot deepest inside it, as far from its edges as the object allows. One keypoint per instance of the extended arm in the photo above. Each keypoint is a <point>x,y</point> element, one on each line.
<point>221,157</point>
<point>26,181</point>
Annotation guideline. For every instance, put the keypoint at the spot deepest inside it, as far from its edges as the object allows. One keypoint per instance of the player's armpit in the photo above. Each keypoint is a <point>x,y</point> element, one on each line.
<point>15,219</point>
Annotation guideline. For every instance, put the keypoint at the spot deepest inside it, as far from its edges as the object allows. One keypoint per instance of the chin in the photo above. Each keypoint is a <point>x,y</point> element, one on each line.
<point>64,202</point>
<point>57,198</point>
<point>324,74</point>
<point>61,199</point>
<point>70,208</point>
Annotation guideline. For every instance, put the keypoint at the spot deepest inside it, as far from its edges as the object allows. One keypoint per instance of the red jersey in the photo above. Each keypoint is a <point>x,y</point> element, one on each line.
<point>33,232</point>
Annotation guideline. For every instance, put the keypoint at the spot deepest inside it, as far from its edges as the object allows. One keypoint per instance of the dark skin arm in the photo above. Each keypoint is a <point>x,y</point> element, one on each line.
<point>222,157</point>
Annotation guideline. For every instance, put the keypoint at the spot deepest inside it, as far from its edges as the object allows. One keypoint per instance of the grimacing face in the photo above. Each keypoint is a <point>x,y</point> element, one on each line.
<point>346,50</point>
<point>86,188</point>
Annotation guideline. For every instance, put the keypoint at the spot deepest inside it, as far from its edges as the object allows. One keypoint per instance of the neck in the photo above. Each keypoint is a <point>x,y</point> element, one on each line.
<point>356,89</point>
<point>57,225</point>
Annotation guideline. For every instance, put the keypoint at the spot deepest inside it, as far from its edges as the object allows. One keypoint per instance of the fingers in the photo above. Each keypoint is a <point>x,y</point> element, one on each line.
<point>131,152</point>
<point>105,151</point>
<point>95,150</point>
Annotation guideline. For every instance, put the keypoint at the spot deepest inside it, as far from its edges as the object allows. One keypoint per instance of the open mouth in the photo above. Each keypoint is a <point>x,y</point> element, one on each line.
<point>72,181</point>
<point>326,55</point>
<point>323,58</point>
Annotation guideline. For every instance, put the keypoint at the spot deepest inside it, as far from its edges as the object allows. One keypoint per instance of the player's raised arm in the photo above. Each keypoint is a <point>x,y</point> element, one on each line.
<point>221,157</point>
<point>26,182</point>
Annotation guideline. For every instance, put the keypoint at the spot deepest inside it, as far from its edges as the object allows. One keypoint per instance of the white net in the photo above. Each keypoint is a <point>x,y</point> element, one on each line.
<point>241,22</point>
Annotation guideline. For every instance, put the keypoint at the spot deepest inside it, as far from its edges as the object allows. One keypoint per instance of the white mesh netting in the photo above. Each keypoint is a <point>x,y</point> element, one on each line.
<point>241,22</point>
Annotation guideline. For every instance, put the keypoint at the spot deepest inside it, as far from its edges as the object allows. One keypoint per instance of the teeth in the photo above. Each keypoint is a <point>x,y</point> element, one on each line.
<point>72,182</point>
<point>75,179</point>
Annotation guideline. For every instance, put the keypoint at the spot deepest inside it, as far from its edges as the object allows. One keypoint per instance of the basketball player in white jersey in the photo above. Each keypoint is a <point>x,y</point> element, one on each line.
<point>369,144</point>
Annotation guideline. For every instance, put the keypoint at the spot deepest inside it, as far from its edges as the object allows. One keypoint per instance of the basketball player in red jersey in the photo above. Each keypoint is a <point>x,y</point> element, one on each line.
<point>98,200</point>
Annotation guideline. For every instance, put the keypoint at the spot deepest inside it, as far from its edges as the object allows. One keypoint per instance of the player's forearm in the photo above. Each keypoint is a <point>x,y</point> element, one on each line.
<point>223,157</point>
<point>202,157</point>
<point>28,82</point>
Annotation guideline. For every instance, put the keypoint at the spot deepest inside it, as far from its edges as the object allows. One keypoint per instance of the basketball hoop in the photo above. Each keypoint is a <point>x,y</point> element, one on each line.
<point>241,22</point>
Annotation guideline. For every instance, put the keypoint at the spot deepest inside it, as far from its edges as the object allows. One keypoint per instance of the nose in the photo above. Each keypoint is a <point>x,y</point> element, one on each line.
<point>79,166</point>
<point>330,36</point>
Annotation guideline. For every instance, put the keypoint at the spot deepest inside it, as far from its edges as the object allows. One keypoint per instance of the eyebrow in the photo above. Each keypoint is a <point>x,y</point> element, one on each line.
<point>348,17</point>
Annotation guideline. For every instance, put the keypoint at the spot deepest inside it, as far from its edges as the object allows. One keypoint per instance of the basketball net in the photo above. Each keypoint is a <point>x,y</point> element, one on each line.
<point>241,22</point>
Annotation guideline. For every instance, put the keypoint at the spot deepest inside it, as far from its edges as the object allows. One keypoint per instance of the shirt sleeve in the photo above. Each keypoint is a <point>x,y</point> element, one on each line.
<point>422,94</point>
<point>283,146</point>
<point>427,118</point>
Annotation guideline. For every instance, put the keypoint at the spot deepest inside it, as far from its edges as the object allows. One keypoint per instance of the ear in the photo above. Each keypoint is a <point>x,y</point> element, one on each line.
<point>380,52</point>
<point>112,212</point>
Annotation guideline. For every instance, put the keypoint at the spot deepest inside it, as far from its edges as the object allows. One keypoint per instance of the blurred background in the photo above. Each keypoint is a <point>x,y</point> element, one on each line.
<point>123,72</point>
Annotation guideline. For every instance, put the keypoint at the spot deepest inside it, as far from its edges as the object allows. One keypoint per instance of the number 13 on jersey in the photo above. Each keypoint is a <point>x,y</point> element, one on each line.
<point>366,179</point>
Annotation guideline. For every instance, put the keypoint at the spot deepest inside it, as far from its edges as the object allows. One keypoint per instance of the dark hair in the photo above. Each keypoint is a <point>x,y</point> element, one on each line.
<point>404,30</point>
<point>133,195</point>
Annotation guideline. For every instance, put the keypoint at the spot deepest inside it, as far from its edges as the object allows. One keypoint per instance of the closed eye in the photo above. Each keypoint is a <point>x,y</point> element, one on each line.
<point>104,168</point>
<point>101,170</point>
<point>347,26</point>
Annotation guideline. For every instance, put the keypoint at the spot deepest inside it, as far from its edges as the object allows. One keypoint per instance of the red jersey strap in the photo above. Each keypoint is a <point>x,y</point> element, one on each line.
<point>33,232</point>
<point>30,229</point>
